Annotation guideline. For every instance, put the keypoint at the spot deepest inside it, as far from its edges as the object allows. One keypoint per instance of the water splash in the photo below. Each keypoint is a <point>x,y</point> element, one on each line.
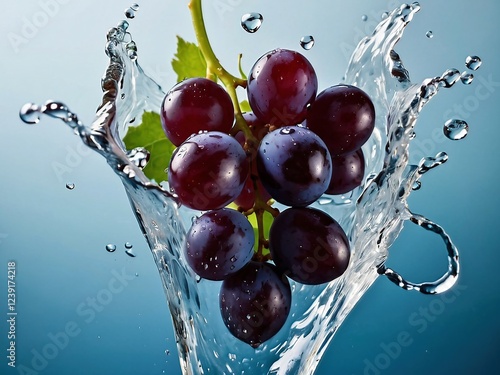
<point>373,215</point>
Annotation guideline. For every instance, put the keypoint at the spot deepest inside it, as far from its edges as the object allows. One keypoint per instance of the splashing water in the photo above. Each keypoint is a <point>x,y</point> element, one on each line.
<point>373,215</point>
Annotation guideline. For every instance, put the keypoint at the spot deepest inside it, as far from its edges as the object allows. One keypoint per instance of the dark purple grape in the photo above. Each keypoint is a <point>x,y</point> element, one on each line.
<point>208,171</point>
<point>294,165</point>
<point>281,85</point>
<point>347,172</point>
<point>219,243</point>
<point>344,117</point>
<point>255,302</point>
<point>308,246</point>
<point>193,105</point>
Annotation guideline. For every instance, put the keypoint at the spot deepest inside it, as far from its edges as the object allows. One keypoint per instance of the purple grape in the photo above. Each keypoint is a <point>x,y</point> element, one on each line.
<point>344,117</point>
<point>193,105</point>
<point>219,243</point>
<point>208,171</point>
<point>255,302</point>
<point>281,85</point>
<point>347,172</point>
<point>294,165</point>
<point>308,246</point>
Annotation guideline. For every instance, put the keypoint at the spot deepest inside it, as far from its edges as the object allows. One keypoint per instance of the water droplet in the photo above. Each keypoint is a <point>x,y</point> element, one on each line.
<point>429,34</point>
<point>110,247</point>
<point>29,113</point>
<point>136,274</point>
<point>307,42</point>
<point>70,186</point>
<point>466,78</point>
<point>324,201</point>
<point>430,162</point>
<point>385,15</point>
<point>287,131</point>
<point>135,7</point>
<point>449,78</point>
<point>233,259</point>
<point>130,253</point>
<point>416,185</point>
<point>455,129</point>
<point>473,62</point>
<point>130,13</point>
<point>364,17</point>
<point>167,352</point>
<point>251,22</point>
<point>128,245</point>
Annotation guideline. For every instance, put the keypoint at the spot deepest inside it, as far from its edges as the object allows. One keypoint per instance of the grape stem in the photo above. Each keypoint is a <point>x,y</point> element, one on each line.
<point>215,68</point>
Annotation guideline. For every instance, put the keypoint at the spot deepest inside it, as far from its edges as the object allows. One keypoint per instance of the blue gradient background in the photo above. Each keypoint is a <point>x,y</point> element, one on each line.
<point>57,236</point>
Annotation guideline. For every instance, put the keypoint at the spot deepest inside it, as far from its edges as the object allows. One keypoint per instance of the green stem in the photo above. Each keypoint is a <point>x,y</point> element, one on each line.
<point>214,68</point>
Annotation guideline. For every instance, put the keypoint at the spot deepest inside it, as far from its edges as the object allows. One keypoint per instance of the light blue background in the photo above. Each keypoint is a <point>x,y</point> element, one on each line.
<point>57,236</point>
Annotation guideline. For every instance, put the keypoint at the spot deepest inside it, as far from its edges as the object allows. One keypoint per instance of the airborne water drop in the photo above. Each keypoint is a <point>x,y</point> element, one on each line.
<point>110,248</point>
<point>307,42</point>
<point>251,22</point>
<point>473,62</point>
<point>455,129</point>
<point>466,78</point>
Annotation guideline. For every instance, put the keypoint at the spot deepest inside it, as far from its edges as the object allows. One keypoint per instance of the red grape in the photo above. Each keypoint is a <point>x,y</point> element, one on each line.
<point>294,165</point>
<point>193,105</point>
<point>281,85</point>
<point>208,170</point>
<point>219,243</point>
<point>255,302</point>
<point>308,245</point>
<point>347,172</point>
<point>344,117</point>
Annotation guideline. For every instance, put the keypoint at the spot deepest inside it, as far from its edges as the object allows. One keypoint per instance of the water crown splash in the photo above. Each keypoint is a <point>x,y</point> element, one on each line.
<point>373,215</point>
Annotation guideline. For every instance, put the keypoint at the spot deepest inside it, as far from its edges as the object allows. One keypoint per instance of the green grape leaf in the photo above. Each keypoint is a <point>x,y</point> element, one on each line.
<point>245,106</point>
<point>149,134</point>
<point>188,61</point>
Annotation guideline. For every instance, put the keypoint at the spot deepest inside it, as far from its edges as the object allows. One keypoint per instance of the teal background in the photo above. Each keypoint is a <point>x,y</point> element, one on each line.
<point>57,236</point>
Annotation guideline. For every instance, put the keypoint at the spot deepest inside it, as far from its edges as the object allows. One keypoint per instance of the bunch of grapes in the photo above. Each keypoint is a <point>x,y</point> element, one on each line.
<point>293,147</point>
